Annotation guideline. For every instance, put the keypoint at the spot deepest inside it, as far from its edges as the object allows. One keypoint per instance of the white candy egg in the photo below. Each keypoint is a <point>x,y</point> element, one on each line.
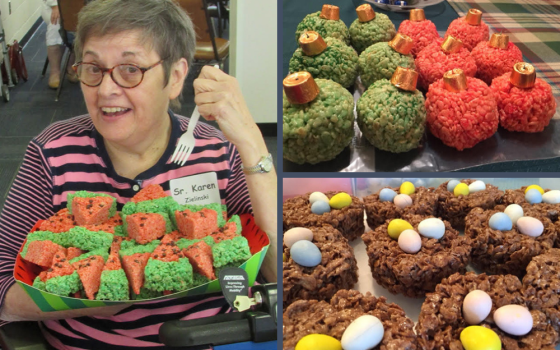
<point>530,226</point>
<point>476,307</point>
<point>432,228</point>
<point>477,186</point>
<point>363,333</point>
<point>551,197</point>
<point>297,234</point>
<point>318,196</point>
<point>514,211</point>
<point>410,241</point>
<point>402,200</point>
<point>514,319</point>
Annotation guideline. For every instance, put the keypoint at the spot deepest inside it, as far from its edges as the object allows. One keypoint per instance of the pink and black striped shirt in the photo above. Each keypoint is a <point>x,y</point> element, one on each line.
<point>69,156</point>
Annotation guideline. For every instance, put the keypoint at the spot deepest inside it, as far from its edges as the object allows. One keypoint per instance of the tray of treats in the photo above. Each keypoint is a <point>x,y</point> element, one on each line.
<point>90,255</point>
<point>484,276</point>
<point>373,97</point>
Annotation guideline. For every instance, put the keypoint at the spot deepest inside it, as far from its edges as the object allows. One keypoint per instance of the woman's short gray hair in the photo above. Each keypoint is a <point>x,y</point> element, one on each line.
<point>163,24</point>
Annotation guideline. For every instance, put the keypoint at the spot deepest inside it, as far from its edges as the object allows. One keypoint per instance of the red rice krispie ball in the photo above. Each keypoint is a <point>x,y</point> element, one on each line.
<point>491,62</point>
<point>462,119</point>
<point>423,33</point>
<point>526,110</point>
<point>470,35</point>
<point>432,62</point>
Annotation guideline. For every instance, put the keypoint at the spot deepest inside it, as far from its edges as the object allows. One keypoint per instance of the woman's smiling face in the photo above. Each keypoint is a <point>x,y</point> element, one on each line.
<point>127,116</point>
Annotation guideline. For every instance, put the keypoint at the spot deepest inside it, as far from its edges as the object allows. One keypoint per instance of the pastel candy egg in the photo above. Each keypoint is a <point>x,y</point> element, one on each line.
<point>387,195</point>
<point>551,197</point>
<point>407,187</point>
<point>318,196</point>
<point>480,338</point>
<point>318,341</point>
<point>402,200</point>
<point>476,306</point>
<point>500,221</point>
<point>363,333</point>
<point>533,196</point>
<point>297,234</point>
<point>320,207</point>
<point>340,200</point>
<point>530,226</point>
<point>514,319</point>
<point>305,253</point>
<point>432,228</point>
<point>477,186</point>
<point>410,241</point>
<point>451,185</point>
<point>514,211</point>
<point>536,187</point>
<point>461,189</point>
<point>396,226</point>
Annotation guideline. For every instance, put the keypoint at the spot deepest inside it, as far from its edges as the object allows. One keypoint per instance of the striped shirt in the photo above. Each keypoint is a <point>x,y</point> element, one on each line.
<point>69,156</point>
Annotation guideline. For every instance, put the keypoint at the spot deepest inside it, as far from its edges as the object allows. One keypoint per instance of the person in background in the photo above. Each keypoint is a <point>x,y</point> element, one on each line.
<point>133,58</point>
<point>55,48</point>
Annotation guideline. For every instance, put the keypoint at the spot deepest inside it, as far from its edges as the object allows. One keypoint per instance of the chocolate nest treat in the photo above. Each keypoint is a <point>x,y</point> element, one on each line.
<point>416,274</point>
<point>441,319</point>
<point>541,285</point>
<point>337,269</point>
<point>506,251</point>
<point>517,196</point>
<point>455,208</point>
<point>306,317</point>
<point>348,220</point>
<point>424,202</point>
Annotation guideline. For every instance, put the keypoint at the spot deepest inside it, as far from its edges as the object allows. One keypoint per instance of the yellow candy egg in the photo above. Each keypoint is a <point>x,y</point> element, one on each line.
<point>407,188</point>
<point>340,200</point>
<point>480,338</point>
<point>397,226</point>
<point>461,190</point>
<point>318,342</point>
<point>536,187</point>
<point>284,258</point>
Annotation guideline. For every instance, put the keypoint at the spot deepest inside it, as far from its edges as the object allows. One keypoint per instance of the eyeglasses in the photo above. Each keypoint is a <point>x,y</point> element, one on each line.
<point>124,75</point>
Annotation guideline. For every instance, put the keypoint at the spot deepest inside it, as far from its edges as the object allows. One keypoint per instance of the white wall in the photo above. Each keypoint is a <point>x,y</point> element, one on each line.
<point>253,55</point>
<point>23,16</point>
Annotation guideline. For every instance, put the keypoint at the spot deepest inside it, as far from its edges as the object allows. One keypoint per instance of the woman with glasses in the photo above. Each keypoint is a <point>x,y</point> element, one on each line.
<point>132,59</point>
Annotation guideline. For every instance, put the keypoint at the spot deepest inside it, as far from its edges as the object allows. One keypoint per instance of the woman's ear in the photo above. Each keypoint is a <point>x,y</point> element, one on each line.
<point>179,71</point>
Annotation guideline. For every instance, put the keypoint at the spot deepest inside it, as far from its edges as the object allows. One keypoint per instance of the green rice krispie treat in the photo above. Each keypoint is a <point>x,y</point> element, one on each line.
<point>85,239</point>
<point>338,62</point>
<point>131,247</point>
<point>39,284</point>
<point>390,118</point>
<point>231,252</point>
<point>104,252</point>
<point>168,275</point>
<point>379,61</point>
<point>327,28</point>
<point>113,286</point>
<point>86,194</point>
<point>146,294</point>
<point>319,130</point>
<point>365,34</point>
<point>184,243</point>
<point>198,280</point>
<point>64,285</point>
<point>237,220</point>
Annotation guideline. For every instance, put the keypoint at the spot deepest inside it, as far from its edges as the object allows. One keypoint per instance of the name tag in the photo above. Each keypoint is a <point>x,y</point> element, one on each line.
<point>196,189</point>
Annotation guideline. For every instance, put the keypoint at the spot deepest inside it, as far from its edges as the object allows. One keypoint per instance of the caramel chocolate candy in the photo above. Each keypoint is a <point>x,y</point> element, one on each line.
<point>451,44</point>
<point>474,17</point>
<point>365,13</point>
<point>312,43</point>
<point>523,75</point>
<point>455,80</point>
<point>402,43</point>
<point>330,12</point>
<point>405,78</point>
<point>300,88</point>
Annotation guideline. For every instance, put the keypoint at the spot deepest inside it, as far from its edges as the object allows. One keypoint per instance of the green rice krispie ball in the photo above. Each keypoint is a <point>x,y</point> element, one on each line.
<point>365,34</point>
<point>390,118</point>
<point>319,130</point>
<point>325,27</point>
<point>339,62</point>
<point>379,61</point>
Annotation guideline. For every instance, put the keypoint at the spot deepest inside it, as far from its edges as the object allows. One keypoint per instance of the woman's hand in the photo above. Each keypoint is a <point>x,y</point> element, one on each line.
<point>219,98</point>
<point>55,15</point>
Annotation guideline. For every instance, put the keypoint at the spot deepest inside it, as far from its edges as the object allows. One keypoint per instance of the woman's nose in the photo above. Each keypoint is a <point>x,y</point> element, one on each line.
<point>108,86</point>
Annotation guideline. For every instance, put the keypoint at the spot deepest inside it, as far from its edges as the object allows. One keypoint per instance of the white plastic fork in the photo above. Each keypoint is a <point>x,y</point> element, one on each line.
<point>186,142</point>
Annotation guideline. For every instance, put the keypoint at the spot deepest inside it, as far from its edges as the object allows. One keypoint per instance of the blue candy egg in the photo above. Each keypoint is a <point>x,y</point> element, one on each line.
<point>533,196</point>
<point>401,3</point>
<point>451,185</point>
<point>382,1</point>
<point>306,253</point>
<point>500,221</point>
<point>387,195</point>
<point>320,207</point>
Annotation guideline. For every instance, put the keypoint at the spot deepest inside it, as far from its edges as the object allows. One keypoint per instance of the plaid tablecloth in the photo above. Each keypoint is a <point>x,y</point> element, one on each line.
<point>533,25</point>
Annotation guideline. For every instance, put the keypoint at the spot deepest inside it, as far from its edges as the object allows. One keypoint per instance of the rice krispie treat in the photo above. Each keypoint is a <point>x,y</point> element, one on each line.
<point>337,269</point>
<point>415,274</point>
